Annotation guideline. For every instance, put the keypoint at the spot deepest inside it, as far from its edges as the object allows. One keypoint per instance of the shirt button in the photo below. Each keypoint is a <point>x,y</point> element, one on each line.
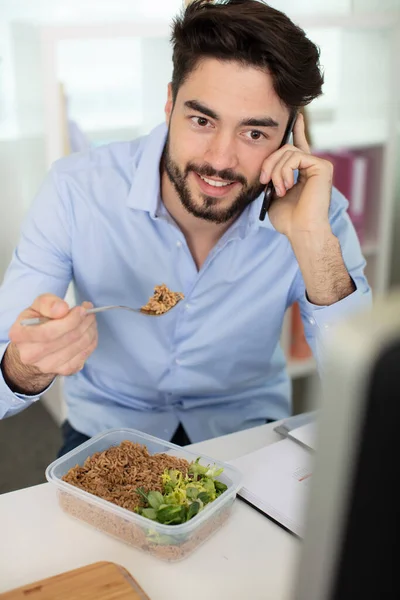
<point>312,321</point>
<point>187,306</point>
<point>179,244</point>
<point>178,361</point>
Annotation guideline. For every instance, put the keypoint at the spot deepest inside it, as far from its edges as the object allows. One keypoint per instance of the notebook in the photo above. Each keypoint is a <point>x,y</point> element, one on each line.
<point>276,481</point>
<point>305,435</point>
<point>300,428</point>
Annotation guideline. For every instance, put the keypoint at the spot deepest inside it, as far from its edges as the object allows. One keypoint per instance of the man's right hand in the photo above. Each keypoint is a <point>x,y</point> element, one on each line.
<point>38,353</point>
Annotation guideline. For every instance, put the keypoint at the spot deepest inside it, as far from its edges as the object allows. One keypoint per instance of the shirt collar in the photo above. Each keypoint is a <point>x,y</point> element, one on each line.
<point>254,213</point>
<point>145,190</point>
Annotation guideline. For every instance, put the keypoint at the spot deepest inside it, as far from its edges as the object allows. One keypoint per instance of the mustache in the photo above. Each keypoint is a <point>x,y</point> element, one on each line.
<point>209,171</point>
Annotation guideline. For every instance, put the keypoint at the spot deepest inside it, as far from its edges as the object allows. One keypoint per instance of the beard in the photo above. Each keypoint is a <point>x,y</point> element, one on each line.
<point>208,208</point>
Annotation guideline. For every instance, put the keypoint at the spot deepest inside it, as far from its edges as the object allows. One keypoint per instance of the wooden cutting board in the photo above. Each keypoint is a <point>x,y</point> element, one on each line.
<point>98,581</point>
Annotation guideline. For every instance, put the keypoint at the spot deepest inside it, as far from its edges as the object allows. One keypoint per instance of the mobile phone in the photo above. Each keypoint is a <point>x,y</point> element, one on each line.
<point>269,190</point>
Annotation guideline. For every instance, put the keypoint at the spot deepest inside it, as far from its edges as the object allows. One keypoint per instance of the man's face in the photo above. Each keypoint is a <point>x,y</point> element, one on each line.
<point>225,121</point>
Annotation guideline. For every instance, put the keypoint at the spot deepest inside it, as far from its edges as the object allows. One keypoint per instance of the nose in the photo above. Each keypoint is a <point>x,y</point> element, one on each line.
<point>221,153</point>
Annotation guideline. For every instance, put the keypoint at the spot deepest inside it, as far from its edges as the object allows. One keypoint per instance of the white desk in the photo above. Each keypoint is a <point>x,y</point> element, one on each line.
<point>248,558</point>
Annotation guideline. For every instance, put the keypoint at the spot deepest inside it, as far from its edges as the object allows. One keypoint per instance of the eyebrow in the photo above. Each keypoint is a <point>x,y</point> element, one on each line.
<point>262,122</point>
<point>197,106</point>
<point>251,122</point>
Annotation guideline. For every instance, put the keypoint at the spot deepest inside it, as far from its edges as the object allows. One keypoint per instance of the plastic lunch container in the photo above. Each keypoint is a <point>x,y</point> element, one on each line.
<point>168,542</point>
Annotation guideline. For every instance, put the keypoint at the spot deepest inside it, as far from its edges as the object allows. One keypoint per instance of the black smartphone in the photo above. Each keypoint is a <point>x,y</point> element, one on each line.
<point>269,190</point>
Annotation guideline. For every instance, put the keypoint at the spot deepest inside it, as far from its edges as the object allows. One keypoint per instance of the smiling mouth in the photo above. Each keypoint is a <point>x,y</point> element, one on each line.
<point>216,183</point>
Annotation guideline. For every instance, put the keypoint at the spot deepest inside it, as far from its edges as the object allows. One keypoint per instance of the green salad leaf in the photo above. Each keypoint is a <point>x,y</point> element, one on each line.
<point>155,499</point>
<point>183,496</point>
<point>150,513</point>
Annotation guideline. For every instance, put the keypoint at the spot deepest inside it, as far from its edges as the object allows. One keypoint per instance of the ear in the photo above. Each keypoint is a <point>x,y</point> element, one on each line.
<point>169,104</point>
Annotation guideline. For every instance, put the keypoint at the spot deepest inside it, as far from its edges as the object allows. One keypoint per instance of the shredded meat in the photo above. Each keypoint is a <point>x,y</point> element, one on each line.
<point>117,472</point>
<point>162,300</point>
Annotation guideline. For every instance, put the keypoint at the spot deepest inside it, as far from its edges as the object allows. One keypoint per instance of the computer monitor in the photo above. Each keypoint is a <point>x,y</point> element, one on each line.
<point>352,519</point>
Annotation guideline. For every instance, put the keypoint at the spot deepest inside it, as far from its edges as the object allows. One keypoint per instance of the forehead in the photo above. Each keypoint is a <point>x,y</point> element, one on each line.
<point>232,90</point>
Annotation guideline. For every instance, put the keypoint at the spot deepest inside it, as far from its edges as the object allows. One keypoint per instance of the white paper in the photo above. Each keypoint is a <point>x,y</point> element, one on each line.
<point>276,480</point>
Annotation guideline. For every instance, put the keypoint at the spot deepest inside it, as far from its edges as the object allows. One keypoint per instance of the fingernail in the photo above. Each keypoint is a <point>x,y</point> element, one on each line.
<point>263,177</point>
<point>278,191</point>
<point>285,183</point>
<point>82,311</point>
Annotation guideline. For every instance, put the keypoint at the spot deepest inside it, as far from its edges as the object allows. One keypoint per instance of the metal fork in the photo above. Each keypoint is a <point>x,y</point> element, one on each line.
<point>91,311</point>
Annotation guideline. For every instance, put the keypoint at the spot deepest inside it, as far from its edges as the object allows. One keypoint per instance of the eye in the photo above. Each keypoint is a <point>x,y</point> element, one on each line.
<point>255,135</point>
<point>200,121</point>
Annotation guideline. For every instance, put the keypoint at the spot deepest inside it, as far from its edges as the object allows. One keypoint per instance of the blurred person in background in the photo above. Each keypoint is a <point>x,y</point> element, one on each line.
<point>181,206</point>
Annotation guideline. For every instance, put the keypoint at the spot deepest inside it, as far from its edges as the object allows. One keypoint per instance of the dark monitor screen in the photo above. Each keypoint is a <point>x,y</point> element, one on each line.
<point>367,564</point>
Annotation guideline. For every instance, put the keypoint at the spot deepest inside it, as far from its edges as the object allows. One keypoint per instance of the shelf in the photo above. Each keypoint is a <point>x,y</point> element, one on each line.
<point>139,27</point>
<point>301,368</point>
<point>366,20</point>
<point>350,133</point>
<point>143,26</point>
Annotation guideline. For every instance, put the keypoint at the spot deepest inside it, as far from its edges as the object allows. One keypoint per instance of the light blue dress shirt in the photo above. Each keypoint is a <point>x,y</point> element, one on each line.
<point>214,363</point>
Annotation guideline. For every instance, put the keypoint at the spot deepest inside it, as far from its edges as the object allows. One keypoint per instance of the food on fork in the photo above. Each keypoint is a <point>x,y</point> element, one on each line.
<point>162,300</point>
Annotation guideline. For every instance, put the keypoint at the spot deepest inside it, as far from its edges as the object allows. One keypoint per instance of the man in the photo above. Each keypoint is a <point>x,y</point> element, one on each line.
<point>181,206</point>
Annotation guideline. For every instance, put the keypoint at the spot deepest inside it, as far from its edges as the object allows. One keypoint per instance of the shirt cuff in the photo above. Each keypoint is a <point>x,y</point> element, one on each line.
<point>325,317</point>
<point>11,402</point>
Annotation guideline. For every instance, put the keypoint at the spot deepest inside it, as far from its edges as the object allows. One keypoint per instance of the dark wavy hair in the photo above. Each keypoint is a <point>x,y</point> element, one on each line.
<point>252,33</point>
